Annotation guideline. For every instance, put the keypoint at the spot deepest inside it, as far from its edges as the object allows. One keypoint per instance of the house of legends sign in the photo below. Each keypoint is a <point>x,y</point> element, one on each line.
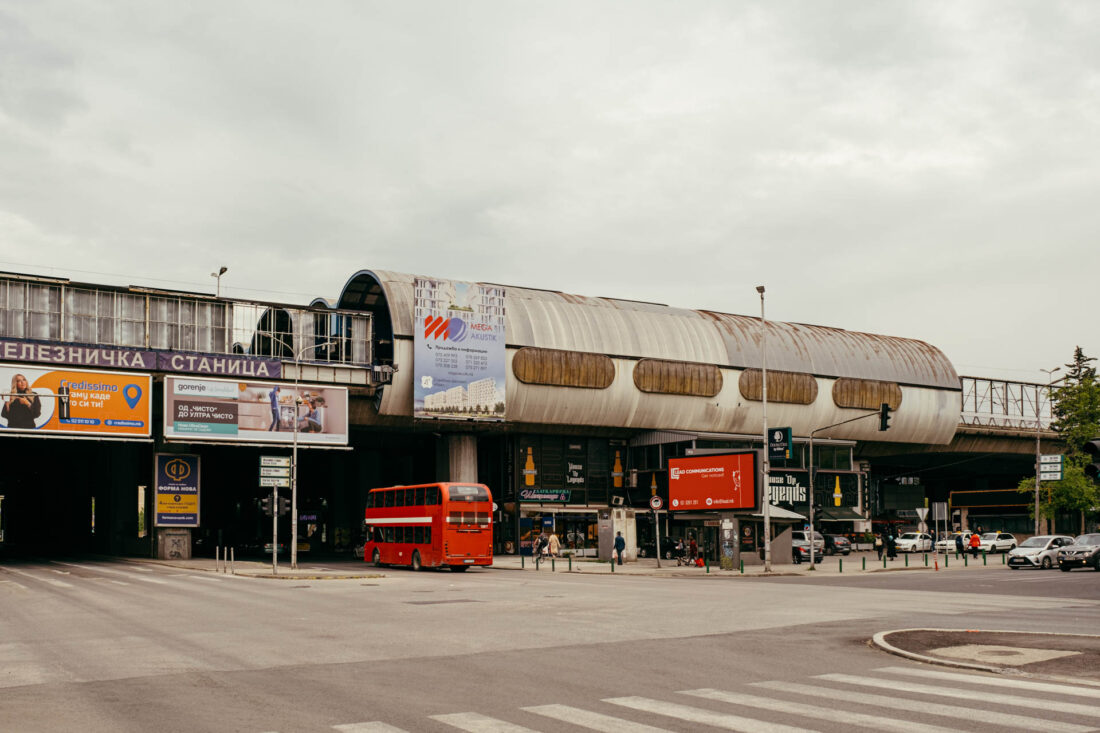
<point>144,359</point>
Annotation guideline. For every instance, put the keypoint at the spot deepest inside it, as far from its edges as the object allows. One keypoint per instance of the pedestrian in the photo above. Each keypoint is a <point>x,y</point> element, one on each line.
<point>555,544</point>
<point>538,548</point>
<point>620,546</point>
<point>975,540</point>
<point>680,551</point>
<point>891,546</point>
<point>693,549</point>
<point>878,545</point>
<point>958,543</point>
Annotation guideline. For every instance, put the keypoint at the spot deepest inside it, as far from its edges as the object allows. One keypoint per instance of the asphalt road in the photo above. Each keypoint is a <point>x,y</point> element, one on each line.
<point>101,646</point>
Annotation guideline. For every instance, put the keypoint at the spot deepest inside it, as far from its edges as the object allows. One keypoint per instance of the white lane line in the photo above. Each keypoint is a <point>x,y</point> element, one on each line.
<point>98,569</point>
<point>60,572</point>
<point>1005,720</point>
<point>1090,711</point>
<point>372,727</point>
<point>813,711</point>
<point>705,717</point>
<point>592,721</point>
<point>17,585</point>
<point>1048,687</point>
<point>475,723</point>
<point>51,581</point>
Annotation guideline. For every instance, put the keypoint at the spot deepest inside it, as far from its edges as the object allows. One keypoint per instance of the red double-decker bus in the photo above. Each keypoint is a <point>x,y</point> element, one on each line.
<point>430,525</point>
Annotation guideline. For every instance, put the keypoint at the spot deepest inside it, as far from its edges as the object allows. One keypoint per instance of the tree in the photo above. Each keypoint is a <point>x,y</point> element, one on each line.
<point>1075,405</point>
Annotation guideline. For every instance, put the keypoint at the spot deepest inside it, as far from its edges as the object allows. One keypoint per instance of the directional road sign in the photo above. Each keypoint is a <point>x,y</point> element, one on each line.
<point>274,481</point>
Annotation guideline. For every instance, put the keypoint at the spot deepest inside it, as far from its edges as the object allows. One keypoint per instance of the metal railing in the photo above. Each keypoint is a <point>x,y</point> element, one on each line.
<point>1005,404</point>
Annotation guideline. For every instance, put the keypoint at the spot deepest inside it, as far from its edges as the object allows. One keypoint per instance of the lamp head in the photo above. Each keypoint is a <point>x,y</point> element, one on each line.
<point>760,289</point>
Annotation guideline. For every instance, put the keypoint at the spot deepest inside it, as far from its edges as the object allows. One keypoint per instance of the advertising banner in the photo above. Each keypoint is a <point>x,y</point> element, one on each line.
<point>177,494</point>
<point>722,481</point>
<point>75,402</point>
<point>254,412</point>
<point>459,350</point>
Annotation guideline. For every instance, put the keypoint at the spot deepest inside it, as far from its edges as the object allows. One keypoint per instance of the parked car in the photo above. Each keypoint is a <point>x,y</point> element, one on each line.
<point>837,545</point>
<point>800,546</point>
<point>996,542</point>
<point>1084,551</point>
<point>947,544</point>
<point>1040,551</point>
<point>914,542</point>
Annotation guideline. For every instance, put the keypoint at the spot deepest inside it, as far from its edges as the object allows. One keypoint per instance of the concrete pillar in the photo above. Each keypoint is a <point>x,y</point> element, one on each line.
<point>462,458</point>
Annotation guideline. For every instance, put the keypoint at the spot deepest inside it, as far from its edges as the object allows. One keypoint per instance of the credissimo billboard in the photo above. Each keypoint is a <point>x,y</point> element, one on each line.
<point>724,481</point>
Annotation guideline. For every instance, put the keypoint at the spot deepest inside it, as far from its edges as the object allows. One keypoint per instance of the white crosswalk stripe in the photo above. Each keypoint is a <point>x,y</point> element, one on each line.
<point>703,716</point>
<point>50,581</point>
<point>371,727</point>
<point>108,571</point>
<point>982,696</point>
<point>819,713</point>
<point>1035,686</point>
<point>475,723</point>
<point>1004,720</point>
<point>592,721</point>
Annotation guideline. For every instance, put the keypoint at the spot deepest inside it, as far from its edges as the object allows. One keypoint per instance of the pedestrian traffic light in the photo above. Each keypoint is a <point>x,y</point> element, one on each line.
<point>818,513</point>
<point>884,416</point>
<point>265,505</point>
<point>1092,447</point>
<point>284,506</point>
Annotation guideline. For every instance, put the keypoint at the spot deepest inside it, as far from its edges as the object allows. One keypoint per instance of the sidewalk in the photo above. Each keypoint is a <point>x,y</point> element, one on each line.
<point>350,568</point>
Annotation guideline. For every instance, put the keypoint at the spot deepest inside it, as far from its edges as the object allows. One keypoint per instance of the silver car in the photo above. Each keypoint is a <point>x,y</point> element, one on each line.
<point>1040,551</point>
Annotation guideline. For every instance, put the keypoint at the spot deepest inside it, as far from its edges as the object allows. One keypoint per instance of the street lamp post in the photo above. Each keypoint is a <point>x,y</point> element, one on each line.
<point>1038,429</point>
<point>767,489</point>
<point>218,277</point>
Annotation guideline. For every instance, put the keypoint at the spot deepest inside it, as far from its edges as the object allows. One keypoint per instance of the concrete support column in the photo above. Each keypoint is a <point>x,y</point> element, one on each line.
<point>462,458</point>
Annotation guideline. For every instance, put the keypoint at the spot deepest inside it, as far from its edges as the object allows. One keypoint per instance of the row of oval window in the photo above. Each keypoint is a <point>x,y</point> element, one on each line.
<point>558,368</point>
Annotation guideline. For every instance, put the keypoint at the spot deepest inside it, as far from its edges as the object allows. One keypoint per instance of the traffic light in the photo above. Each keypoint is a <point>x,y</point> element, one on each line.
<point>818,513</point>
<point>284,506</point>
<point>265,505</point>
<point>1092,447</point>
<point>884,416</point>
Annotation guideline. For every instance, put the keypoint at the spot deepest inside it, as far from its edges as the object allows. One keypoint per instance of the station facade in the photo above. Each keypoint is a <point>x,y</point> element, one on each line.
<point>568,407</point>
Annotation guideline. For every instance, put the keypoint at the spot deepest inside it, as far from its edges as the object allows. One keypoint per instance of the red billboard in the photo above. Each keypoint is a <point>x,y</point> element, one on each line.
<point>724,481</point>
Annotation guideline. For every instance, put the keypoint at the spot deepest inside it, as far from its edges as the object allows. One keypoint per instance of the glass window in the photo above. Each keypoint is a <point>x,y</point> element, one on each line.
<point>431,495</point>
<point>468,493</point>
<point>389,497</point>
<point>370,499</point>
<point>378,535</point>
<point>419,500</point>
<point>389,534</point>
<point>428,535</point>
<point>418,535</point>
<point>408,498</point>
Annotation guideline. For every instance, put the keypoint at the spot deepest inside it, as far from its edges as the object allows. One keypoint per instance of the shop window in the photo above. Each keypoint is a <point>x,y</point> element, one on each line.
<point>558,368</point>
<point>795,388</point>
<point>661,376</point>
<point>835,457</point>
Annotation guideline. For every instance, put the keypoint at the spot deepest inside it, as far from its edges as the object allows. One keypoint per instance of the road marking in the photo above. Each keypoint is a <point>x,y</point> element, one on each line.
<point>475,723</point>
<point>98,569</point>
<point>1006,720</point>
<point>371,727</point>
<point>51,581</point>
<point>819,713</point>
<point>592,721</point>
<point>997,682</point>
<point>1089,711</point>
<point>706,717</point>
<point>17,585</point>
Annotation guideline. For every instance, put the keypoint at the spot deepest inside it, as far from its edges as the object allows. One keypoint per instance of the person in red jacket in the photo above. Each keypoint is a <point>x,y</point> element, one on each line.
<point>974,540</point>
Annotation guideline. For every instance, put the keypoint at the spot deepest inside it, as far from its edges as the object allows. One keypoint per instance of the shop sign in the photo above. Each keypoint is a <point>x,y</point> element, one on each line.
<point>177,490</point>
<point>458,345</point>
<point>788,488</point>
<point>75,402</point>
<point>721,481</point>
<point>545,495</point>
<point>254,412</point>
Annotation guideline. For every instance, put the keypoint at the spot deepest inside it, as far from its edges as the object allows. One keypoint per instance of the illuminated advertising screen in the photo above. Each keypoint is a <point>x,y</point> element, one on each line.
<point>74,402</point>
<point>703,483</point>
<point>254,412</point>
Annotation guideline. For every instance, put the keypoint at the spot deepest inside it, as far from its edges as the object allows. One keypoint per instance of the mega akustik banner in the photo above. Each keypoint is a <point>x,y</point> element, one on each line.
<point>254,412</point>
<point>459,363</point>
<point>723,481</point>
<point>75,402</point>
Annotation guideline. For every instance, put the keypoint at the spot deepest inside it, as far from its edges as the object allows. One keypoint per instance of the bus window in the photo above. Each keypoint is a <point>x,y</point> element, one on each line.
<point>431,495</point>
<point>468,493</point>
<point>419,496</point>
<point>409,497</point>
<point>378,537</point>
<point>428,535</point>
<point>418,535</point>
<point>389,534</point>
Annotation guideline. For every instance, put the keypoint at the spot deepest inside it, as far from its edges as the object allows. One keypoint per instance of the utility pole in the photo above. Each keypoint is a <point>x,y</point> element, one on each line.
<point>766,489</point>
<point>1038,429</point>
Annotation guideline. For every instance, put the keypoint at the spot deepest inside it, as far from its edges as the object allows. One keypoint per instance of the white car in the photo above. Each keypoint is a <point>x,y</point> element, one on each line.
<point>996,542</point>
<point>947,544</point>
<point>1040,551</point>
<point>914,542</point>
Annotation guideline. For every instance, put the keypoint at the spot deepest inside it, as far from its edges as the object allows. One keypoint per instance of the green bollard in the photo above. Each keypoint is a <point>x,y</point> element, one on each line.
<point>522,562</point>
<point>865,563</point>
<point>966,562</point>
<point>840,565</point>
<point>946,557</point>
<point>884,561</point>
<point>906,561</point>
<point>926,559</point>
<point>742,567</point>
<point>983,560</point>
<point>706,563</point>
<point>570,563</point>
<point>1003,557</point>
<point>551,564</point>
<point>612,563</point>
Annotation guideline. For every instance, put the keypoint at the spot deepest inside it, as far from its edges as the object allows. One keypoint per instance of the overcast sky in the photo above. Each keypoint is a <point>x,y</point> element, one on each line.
<point>926,169</point>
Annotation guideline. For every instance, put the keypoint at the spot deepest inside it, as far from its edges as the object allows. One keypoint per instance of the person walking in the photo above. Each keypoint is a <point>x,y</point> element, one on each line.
<point>975,540</point>
<point>878,545</point>
<point>891,546</point>
<point>620,546</point>
<point>958,544</point>
<point>693,549</point>
<point>555,544</point>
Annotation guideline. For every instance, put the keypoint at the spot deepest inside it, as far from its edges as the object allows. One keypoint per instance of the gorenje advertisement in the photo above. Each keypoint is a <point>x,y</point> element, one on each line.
<point>254,412</point>
<point>722,481</point>
<point>75,402</point>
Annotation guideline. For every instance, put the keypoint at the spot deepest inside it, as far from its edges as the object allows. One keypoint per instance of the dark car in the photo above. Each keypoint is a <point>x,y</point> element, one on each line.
<point>837,545</point>
<point>1084,552</point>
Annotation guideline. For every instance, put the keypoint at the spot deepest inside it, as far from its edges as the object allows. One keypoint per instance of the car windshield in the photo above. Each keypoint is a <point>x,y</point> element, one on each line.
<point>909,536</point>
<point>1088,539</point>
<point>989,536</point>
<point>1035,542</point>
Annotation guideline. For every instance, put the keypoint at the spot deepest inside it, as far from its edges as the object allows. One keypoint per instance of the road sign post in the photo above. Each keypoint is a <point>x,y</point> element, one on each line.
<point>655,503</point>
<point>274,472</point>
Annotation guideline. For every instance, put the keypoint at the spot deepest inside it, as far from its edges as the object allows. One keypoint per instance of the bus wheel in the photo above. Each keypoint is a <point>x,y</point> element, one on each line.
<point>416,560</point>
<point>459,568</point>
<point>376,559</point>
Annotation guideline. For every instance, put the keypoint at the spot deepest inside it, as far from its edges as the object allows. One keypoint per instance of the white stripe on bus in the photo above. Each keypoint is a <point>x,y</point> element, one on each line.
<point>398,520</point>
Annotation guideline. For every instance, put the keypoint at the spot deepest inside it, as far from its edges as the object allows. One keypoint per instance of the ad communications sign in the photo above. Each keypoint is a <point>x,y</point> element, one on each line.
<point>458,350</point>
<point>75,402</point>
<point>254,412</point>
<point>704,483</point>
